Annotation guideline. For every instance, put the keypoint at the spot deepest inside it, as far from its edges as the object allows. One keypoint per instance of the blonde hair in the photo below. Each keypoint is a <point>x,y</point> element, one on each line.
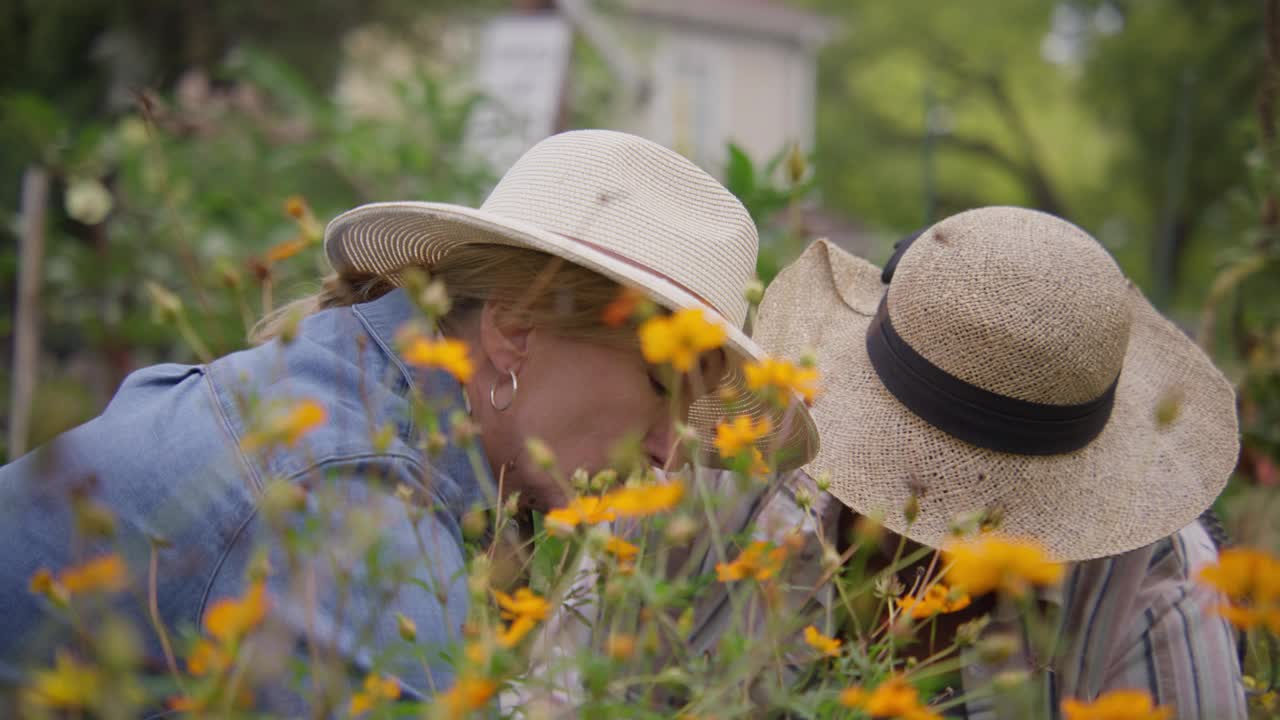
<point>531,286</point>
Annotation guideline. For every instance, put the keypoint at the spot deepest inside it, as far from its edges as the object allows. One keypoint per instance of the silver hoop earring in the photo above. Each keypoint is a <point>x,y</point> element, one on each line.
<point>493,390</point>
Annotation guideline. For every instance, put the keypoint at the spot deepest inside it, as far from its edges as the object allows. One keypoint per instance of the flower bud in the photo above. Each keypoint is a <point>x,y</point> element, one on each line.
<point>603,480</point>
<point>797,164</point>
<point>580,480</point>
<point>435,443</point>
<point>912,509</point>
<point>511,506</point>
<point>996,649</point>
<point>681,530</point>
<point>474,524</point>
<point>434,300</point>
<point>823,481</point>
<point>541,455</point>
<point>804,498</point>
<point>755,291</point>
<point>406,627</point>
<point>165,306</point>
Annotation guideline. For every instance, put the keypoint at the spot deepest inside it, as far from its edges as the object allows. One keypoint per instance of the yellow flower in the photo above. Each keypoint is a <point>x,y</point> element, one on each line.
<point>1251,580</point>
<point>826,645</point>
<point>377,690</point>
<point>759,466</point>
<point>1116,705</point>
<point>445,353</point>
<point>525,610</point>
<point>778,379</point>
<point>230,618</point>
<point>284,250</point>
<point>679,338</point>
<point>468,695</point>
<point>101,573</point>
<point>624,551</point>
<point>286,425</point>
<point>43,583</point>
<point>938,599</point>
<point>759,562</point>
<point>645,500</point>
<point>587,510</point>
<point>733,437</point>
<point>991,562</point>
<point>68,685</point>
<point>893,698</point>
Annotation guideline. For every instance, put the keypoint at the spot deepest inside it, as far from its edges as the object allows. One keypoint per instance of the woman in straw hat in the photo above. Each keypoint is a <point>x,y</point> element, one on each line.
<point>1001,368</point>
<point>189,470</point>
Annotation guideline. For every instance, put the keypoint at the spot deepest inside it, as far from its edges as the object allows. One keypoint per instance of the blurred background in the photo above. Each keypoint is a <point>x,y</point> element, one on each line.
<point>151,151</point>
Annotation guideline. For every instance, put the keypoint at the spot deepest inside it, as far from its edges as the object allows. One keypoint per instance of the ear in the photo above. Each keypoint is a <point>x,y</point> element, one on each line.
<point>504,337</point>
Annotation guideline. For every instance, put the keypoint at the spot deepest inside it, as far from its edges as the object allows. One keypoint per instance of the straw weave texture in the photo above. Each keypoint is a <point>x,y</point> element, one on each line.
<point>1029,306</point>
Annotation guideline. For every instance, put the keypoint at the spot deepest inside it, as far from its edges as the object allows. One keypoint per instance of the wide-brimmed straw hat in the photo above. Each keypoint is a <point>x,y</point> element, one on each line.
<point>1007,370</point>
<point>617,204</point>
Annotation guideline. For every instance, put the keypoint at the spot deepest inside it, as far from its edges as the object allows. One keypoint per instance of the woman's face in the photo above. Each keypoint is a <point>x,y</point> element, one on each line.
<point>582,400</point>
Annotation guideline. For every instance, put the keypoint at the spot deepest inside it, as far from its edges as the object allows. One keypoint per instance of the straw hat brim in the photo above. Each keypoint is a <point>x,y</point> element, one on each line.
<point>1166,453</point>
<point>384,238</point>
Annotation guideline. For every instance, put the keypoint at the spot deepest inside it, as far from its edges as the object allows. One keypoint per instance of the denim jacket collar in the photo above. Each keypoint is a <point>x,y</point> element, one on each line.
<point>383,317</point>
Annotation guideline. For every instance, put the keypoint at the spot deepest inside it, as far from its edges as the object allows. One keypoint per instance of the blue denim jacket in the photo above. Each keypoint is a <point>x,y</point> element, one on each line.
<point>165,457</point>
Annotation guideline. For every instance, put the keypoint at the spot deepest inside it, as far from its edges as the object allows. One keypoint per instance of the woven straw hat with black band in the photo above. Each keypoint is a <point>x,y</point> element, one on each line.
<point>1002,365</point>
<point>625,207</point>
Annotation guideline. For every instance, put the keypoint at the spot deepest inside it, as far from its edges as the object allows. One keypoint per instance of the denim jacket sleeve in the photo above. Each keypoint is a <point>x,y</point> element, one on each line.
<point>378,556</point>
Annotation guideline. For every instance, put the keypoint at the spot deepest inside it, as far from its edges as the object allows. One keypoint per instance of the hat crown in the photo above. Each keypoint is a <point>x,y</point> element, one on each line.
<point>641,202</point>
<point>1017,302</point>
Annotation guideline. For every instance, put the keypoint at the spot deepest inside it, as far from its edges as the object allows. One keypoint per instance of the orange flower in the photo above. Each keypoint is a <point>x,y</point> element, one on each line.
<point>624,551</point>
<point>285,425</point>
<point>937,599</point>
<point>184,703</point>
<point>377,690</point>
<point>284,250</point>
<point>759,466</point>
<point>230,619</point>
<point>624,307</point>
<point>445,353</point>
<point>1251,581</point>
<point>828,646</point>
<point>104,573</point>
<point>467,696</point>
<point>991,562</point>
<point>893,698</point>
<point>1116,705</point>
<point>759,562</point>
<point>206,658</point>
<point>295,206</point>
<point>777,380</point>
<point>587,510</point>
<point>620,646</point>
<point>644,500</point>
<point>525,610</point>
<point>679,338</point>
<point>743,432</point>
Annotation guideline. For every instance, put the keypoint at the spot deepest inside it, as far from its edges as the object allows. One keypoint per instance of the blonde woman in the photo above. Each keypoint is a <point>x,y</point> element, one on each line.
<point>182,460</point>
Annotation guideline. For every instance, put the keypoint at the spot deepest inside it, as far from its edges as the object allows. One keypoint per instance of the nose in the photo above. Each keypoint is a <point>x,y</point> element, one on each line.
<point>659,442</point>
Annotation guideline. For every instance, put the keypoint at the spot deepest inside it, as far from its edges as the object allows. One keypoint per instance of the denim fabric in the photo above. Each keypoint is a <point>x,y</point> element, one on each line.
<point>165,457</point>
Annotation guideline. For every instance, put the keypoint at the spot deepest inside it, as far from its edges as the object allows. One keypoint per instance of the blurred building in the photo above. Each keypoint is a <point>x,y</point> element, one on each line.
<point>694,76</point>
